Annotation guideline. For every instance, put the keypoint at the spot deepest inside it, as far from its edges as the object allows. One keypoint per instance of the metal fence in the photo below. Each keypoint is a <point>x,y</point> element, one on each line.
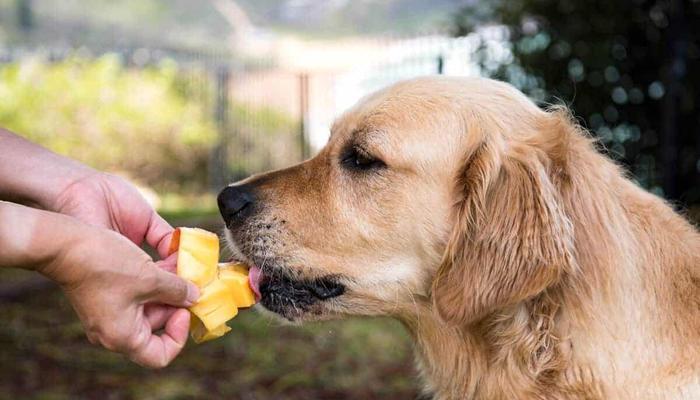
<point>269,116</point>
<point>251,135</point>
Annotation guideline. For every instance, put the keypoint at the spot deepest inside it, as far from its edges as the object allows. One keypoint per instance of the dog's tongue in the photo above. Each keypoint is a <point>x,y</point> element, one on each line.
<point>254,277</point>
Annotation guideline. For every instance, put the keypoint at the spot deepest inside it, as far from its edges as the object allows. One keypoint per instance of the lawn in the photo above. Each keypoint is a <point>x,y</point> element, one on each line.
<point>45,355</point>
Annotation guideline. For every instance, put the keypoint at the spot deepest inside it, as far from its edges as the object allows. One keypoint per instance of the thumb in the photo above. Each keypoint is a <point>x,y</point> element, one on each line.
<point>159,234</point>
<point>168,288</point>
<point>169,263</point>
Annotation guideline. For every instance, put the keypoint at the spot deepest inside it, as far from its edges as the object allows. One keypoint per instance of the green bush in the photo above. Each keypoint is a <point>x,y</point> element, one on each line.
<point>137,121</point>
<point>155,124</point>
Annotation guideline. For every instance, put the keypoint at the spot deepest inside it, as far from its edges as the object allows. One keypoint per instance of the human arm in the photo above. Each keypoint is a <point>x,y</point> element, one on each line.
<point>108,280</point>
<point>33,175</point>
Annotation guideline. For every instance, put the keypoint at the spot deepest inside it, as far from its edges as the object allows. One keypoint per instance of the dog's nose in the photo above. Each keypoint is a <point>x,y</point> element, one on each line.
<point>235,203</point>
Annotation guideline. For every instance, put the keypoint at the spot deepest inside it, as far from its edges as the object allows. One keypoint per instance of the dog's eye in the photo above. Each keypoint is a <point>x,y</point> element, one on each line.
<point>357,159</point>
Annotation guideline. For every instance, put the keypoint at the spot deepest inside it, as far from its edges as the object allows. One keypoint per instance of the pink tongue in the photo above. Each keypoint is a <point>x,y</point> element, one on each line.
<point>254,276</point>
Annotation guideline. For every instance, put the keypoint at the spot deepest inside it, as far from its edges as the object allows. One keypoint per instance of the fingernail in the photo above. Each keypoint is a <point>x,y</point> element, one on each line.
<point>192,293</point>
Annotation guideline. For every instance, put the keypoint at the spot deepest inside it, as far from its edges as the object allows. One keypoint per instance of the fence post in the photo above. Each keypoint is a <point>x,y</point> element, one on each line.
<point>303,114</point>
<point>218,161</point>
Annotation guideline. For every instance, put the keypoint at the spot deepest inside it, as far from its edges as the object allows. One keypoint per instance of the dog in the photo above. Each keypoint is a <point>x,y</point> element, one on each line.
<point>523,261</point>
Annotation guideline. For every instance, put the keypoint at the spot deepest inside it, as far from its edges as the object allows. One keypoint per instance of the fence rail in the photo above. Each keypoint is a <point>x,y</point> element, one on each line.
<point>266,115</point>
<point>251,135</point>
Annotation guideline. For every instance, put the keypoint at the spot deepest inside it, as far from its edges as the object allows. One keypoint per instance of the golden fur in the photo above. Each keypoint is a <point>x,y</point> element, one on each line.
<point>523,262</point>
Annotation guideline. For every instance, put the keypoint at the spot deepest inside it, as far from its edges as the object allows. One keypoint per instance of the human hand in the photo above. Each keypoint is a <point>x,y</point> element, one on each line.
<point>117,291</point>
<point>109,201</point>
<point>33,175</point>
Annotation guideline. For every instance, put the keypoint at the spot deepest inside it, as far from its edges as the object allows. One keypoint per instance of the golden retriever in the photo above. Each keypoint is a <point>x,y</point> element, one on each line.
<point>523,262</point>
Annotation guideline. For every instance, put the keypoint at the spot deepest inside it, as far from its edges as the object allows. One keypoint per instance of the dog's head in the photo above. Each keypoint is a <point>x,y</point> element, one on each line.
<point>434,191</point>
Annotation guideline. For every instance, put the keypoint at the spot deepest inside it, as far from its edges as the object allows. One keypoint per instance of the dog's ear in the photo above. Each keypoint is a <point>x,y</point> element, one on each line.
<point>511,239</point>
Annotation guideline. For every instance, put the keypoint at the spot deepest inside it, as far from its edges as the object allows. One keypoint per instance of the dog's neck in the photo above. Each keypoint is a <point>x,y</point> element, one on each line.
<point>624,324</point>
<point>508,355</point>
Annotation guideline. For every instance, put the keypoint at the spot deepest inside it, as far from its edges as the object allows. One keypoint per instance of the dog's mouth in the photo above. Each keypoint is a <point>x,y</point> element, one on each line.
<point>292,297</point>
<point>280,288</point>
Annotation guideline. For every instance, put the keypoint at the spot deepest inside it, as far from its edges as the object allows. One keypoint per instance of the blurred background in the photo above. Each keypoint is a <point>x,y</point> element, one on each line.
<point>183,96</point>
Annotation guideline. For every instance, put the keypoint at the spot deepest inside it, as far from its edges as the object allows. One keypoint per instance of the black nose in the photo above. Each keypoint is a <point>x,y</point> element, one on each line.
<point>235,203</point>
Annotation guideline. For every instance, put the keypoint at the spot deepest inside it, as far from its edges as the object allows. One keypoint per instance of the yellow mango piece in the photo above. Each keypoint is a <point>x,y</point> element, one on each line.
<point>234,267</point>
<point>223,287</point>
<point>235,276</point>
<point>216,304</point>
<point>198,254</point>
<point>200,333</point>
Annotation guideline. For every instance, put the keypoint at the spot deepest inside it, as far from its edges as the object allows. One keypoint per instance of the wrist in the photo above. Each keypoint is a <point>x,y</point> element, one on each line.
<point>32,239</point>
<point>62,258</point>
<point>33,175</point>
<point>94,254</point>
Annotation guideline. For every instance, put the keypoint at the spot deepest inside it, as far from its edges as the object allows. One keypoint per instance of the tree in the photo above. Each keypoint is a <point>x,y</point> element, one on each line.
<point>628,69</point>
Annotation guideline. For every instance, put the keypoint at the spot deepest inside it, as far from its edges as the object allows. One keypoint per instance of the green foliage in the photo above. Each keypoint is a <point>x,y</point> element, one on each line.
<point>154,124</point>
<point>626,68</point>
<point>145,122</point>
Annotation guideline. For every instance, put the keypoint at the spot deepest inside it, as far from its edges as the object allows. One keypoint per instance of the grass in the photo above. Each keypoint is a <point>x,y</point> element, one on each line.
<point>45,355</point>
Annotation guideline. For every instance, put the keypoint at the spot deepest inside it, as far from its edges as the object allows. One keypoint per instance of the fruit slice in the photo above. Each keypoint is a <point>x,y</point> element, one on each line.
<point>236,278</point>
<point>224,288</point>
<point>216,305</point>
<point>200,333</point>
<point>198,253</point>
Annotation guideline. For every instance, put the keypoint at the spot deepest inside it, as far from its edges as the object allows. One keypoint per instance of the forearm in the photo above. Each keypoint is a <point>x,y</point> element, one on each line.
<point>31,174</point>
<point>34,239</point>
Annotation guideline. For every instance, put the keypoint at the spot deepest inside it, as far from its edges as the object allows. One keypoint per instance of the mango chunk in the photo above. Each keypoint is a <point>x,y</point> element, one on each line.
<point>216,305</point>
<point>198,254</point>
<point>236,278</point>
<point>224,288</point>
<point>200,333</point>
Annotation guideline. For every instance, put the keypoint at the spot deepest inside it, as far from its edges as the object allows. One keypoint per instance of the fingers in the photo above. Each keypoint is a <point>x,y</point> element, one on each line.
<point>168,288</point>
<point>157,315</point>
<point>168,264</point>
<point>159,351</point>
<point>158,234</point>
